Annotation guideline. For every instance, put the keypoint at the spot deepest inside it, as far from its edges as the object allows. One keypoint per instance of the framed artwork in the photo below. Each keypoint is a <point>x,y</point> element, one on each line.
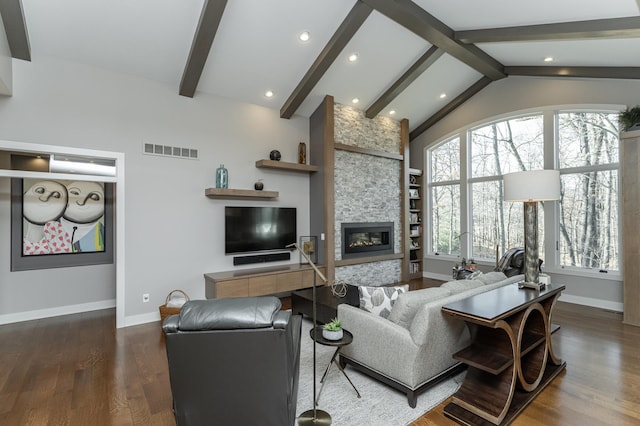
<point>60,223</point>
<point>309,245</point>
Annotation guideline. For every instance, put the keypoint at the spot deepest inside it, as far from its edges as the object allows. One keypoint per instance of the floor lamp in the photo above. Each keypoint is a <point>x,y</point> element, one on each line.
<point>530,187</point>
<point>313,416</point>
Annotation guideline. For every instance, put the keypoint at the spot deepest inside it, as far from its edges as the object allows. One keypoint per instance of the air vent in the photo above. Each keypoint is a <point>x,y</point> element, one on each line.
<point>170,151</point>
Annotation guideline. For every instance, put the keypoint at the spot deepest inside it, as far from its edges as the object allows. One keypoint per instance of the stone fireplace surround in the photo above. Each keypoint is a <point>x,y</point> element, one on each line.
<point>362,179</point>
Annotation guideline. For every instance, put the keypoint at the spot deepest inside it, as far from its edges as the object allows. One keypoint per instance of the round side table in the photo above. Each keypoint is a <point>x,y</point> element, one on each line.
<point>347,338</point>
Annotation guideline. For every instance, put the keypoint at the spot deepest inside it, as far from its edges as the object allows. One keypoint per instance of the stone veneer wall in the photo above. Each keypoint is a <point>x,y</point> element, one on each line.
<point>367,189</point>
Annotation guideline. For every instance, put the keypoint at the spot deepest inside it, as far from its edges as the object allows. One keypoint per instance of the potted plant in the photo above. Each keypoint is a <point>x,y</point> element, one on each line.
<point>629,119</point>
<point>332,330</point>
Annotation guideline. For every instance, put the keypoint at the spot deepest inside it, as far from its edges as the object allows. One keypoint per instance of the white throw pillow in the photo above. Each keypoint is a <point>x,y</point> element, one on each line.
<point>379,300</point>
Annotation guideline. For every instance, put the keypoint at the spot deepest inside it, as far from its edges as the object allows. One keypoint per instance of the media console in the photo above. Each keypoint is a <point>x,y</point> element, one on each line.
<point>259,281</point>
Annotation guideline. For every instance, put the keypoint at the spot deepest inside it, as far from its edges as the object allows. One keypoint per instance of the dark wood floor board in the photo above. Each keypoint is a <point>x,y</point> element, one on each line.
<point>79,370</point>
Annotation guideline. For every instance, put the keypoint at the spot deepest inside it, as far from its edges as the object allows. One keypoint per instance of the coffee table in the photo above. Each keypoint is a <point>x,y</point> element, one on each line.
<point>326,302</point>
<point>511,358</point>
<point>316,334</point>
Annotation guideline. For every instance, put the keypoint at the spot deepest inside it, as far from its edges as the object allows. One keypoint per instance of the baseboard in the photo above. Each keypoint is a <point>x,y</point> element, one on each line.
<point>594,303</point>
<point>434,276</point>
<point>141,319</point>
<point>57,311</point>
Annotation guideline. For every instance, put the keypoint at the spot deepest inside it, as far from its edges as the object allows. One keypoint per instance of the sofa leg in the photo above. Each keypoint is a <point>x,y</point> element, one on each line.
<point>342,362</point>
<point>412,398</point>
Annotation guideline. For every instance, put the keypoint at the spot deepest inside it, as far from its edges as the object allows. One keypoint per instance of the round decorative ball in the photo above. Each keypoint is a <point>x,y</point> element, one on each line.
<point>258,185</point>
<point>275,155</point>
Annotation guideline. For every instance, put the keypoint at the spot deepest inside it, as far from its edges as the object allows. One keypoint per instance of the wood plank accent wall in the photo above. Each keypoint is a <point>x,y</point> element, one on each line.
<point>630,191</point>
<point>321,184</point>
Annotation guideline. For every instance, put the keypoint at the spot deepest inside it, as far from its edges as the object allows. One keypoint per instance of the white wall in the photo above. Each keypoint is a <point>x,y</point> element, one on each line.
<point>5,63</point>
<point>515,94</point>
<point>174,234</point>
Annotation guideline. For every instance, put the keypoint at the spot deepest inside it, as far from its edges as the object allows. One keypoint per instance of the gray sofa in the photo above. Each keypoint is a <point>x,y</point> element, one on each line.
<point>412,349</point>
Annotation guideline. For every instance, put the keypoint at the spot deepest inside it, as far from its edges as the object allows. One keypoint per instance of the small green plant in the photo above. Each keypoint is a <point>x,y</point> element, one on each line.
<point>333,325</point>
<point>629,117</point>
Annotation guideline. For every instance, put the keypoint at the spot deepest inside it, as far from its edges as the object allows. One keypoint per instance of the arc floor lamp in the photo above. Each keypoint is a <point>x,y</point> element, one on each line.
<point>530,187</point>
<point>313,416</point>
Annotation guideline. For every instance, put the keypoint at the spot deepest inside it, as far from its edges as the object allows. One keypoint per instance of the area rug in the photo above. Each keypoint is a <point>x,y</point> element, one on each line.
<point>379,405</point>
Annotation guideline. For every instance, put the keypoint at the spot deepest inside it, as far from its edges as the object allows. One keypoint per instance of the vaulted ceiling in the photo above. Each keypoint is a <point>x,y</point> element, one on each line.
<point>420,58</point>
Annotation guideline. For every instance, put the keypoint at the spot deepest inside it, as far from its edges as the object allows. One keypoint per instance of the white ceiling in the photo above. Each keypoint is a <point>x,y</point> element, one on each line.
<point>256,46</point>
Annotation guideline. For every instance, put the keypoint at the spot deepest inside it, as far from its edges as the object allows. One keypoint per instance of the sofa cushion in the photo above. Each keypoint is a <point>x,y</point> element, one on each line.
<point>379,300</point>
<point>408,304</point>
<point>491,277</point>
<point>459,286</point>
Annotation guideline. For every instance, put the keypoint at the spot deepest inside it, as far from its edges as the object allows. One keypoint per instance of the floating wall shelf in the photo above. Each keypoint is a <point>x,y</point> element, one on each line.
<point>240,194</point>
<point>282,165</point>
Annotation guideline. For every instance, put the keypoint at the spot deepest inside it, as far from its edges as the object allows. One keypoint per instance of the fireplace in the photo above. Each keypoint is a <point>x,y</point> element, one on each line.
<point>362,239</point>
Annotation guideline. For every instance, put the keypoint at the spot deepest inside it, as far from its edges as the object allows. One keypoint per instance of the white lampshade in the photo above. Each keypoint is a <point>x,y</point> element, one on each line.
<point>532,185</point>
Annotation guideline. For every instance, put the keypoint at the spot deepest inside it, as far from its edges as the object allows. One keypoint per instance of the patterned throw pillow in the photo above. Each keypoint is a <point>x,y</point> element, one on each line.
<point>379,300</point>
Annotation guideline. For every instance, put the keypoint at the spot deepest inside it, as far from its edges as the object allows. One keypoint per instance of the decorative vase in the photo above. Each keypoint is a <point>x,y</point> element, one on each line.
<point>222,177</point>
<point>275,155</point>
<point>332,335</point>
<point>258,185</point>
<point>302,153</point>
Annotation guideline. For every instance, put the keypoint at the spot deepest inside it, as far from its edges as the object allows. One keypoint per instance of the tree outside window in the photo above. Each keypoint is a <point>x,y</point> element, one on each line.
<point>496,149</point>
<point>588,154</point>
<point>586,151</point>
<point>444,197</point>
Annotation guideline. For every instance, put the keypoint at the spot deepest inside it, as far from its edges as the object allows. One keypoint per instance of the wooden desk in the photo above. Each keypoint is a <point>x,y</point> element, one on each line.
<point>511,358</point>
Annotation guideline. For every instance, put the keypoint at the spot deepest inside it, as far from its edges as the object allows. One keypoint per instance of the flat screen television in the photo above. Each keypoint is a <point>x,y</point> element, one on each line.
<point>250,229</point>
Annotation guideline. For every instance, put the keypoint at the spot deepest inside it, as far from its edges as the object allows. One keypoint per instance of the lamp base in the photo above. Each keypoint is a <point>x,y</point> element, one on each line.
<point>314,417</point>
<point>535,286</point>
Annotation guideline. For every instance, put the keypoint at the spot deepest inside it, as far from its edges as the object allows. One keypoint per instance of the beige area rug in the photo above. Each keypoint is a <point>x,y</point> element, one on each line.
<point>380,405</point>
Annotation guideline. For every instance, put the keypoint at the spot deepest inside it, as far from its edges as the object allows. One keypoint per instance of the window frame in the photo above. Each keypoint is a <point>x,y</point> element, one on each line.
<point>551,210</point>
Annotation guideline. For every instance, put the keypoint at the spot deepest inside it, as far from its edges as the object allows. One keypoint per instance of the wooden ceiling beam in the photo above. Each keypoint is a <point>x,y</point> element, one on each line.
<point>15,28</point>
<point>455,103</point>
<point>597,28</point>
<point>345,32</point>
<point>418,21</point>
<point>420,66</point>
<point>210,18</point>
<point>630,73</point>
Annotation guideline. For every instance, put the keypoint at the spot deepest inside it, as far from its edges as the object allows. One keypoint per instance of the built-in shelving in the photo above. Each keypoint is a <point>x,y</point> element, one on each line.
<point>283,165</point>
<point>240,194</point>
<point>415,223</point>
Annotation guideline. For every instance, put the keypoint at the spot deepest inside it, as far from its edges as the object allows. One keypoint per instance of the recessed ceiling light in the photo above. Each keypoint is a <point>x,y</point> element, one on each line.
<point>392,112</point>
<point>549,59</point>
<point>353,57</point>
<point>443,95</point>
<point>304,36</point>
<point>268,94</point>
<point>355,100</point>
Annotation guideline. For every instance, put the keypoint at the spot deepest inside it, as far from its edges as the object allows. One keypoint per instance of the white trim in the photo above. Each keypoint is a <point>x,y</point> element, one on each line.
<point>140,319</point>
<point>119,218</point>
<point>435,276</point>
<point>57,311</point>
<point>594,303</point>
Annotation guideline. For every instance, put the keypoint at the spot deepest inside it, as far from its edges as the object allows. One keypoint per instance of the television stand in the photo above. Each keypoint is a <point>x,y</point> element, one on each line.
<point>258,281</point>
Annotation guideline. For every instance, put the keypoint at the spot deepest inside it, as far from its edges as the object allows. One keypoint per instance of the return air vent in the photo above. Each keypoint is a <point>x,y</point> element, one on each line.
<point>169,151</point>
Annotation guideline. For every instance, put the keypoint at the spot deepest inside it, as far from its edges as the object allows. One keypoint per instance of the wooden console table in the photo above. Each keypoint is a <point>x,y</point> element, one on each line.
<point>511,358</point>
<point>258,281</point>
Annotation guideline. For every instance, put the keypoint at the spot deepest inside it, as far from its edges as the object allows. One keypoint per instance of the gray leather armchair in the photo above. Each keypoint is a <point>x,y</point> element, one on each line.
<point>234,362</point>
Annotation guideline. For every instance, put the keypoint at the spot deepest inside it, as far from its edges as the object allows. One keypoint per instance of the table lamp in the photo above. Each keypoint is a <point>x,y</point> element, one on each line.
<point>530,187</point>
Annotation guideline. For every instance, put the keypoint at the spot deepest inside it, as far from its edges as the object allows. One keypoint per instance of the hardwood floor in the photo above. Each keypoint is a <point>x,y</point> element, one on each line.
<point>79,370</point>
